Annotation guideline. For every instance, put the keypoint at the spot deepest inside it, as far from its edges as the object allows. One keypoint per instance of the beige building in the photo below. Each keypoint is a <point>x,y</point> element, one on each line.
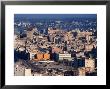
<point>84,33</point>
<point>82,71</point>
<point>19,70</point>
<point>51,31</point>
<point>30,33</point>
<point>90,64</point>
<point>88,47</point>
<point>28,72</point>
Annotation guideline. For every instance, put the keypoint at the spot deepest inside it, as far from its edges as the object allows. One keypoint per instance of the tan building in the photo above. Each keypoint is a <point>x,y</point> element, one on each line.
<point>90,64</point>
<point>68,36</point>
<point>51,31</point>
<point>57,50</point>
<point>88,38</point>
<point>88,47</point>
<point>84,33</point>
<point>82,71</point>
<point>30,33</point>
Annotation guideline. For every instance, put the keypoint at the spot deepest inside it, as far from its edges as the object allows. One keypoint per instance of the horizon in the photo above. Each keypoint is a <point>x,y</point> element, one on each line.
<point>54,16</point>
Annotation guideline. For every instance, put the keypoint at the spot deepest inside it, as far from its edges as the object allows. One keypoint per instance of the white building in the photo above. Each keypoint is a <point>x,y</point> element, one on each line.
<point>28,72</point>
<point>32,55</point>
<point>65,56</point>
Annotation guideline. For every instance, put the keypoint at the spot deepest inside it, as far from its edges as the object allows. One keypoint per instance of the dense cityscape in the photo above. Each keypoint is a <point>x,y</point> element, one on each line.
<point>55,45</point>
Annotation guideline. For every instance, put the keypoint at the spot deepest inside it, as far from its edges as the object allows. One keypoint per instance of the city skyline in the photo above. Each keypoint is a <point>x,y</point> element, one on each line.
<point>54,16</point>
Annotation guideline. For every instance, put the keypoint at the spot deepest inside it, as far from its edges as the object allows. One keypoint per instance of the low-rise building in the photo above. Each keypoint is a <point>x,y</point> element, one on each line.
<point>65,56</point>
<point>90,65</point>
<point>46,56</point>
<point>39,56</point>
<point>19,70</point>
<point>81,71</point>
<point>28,72</point>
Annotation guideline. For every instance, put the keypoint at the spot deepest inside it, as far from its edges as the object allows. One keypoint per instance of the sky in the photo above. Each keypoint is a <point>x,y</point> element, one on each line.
<point>54,16</point>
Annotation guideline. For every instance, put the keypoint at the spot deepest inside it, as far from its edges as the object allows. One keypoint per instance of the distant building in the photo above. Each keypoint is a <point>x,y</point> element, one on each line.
<point>88,47</point>
<point>52,31</point>
<point>56,50</point>
<point>30,33</point>
<point>51,38</point>
<point>57,40</point>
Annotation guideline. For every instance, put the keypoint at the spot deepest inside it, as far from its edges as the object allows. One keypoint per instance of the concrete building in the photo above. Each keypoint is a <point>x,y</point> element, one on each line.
<point>88,47</point>
<point>32,54</point>
<point>52,31</point>
<point>81,71</point>
<point>56,50</point>
<point>19,70</point>
<point>28,72</point>
<point>80,54</point>
<point>30,33</point>
<point>39,56</point>
<point>57,40</point>
<point>46,56</point>
<point>65,56</point>
<point>89,65</point>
